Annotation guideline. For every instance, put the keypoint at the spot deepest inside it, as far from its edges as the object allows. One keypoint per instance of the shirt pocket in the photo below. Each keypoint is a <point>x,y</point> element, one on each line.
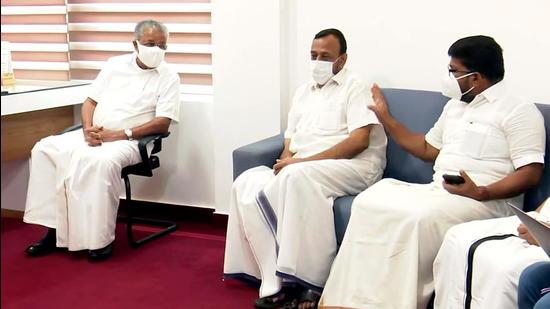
<point>483,141</point>
<point>496,144</point>
<point>330,119</point>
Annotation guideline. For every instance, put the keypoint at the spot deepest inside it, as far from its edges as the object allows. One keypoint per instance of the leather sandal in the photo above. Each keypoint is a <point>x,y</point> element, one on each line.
<point>282,299</point>
<point>309,296</point>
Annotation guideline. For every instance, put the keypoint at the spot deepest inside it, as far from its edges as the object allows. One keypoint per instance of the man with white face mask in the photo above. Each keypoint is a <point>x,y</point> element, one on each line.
<point>75,183</point>
<point>281,225</point>
<point>492,143</point>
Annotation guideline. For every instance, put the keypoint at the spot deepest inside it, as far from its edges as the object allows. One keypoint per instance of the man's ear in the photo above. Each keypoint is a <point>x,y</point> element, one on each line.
<point>344,58</point>
<point>134,42</point>
<point>478,77</point>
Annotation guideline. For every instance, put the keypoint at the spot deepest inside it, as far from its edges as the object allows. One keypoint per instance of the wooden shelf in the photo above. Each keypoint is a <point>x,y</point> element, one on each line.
<point>21,131</point>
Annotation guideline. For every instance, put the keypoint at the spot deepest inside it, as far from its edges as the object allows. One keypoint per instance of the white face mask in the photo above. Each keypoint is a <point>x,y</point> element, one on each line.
<point>321,71</point>
<point>450,87</point>
<point>151,56</point>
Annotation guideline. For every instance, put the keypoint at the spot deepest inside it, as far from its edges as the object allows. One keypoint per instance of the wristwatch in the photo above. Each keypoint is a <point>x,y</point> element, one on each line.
<point>128,133</point>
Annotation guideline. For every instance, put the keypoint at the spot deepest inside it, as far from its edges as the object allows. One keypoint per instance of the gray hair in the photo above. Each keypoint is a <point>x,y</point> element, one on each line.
<point>138,32</point>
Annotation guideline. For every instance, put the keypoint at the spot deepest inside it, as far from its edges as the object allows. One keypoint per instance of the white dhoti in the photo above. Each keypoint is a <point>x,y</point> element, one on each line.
<point>283,226</point>
<point>394,233</point>
<point>75,188</point>
<point>497,265</point>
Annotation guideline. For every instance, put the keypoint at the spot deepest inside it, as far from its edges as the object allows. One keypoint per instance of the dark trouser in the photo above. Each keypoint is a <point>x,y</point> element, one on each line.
<point>534,286</point>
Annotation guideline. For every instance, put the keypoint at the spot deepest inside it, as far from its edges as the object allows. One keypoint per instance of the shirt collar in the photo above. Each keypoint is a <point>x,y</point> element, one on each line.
<point>339,78</point>
<point>494,92</point>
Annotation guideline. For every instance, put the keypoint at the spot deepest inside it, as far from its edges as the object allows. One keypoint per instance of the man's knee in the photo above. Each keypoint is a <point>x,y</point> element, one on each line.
<point>544,302</point>
<point>457,236</point>
<point>254,174</point>
<point>41,147</point>
<point>534,274</point>
<point>100,161</point>
<point>297,171</point>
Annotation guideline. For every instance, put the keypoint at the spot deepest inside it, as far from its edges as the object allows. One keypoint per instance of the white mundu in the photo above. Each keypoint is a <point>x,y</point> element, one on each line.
<point>283,226</point>
<point>396,228</point>
<point>74,187</point>
<point>497,263</point>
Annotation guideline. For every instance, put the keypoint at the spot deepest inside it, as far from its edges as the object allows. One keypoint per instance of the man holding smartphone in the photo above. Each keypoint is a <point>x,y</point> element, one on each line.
<point>493,141</point>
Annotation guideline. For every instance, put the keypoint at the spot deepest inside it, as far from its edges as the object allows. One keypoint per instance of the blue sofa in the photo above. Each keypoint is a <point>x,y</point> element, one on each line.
<point>418,110</point>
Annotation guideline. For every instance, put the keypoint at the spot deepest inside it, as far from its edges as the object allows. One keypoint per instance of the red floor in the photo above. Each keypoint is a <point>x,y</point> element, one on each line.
<point>181,270</point>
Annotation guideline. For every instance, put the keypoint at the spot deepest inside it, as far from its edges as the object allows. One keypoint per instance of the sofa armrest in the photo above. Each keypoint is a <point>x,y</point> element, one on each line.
<point>263,152</point>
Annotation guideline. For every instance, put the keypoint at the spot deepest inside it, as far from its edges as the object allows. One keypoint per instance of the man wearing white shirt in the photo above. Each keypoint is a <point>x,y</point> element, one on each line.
<point>281,224</point>
<point>493,141</point>
<point>490,278</point>
<point>74,182</point>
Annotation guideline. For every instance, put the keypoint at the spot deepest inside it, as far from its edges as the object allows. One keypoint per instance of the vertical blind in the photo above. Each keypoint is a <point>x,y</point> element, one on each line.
<point>71,39</point>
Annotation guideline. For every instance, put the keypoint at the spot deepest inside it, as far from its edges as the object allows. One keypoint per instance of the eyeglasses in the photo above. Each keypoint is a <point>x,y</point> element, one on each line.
<point>453,71</point>
<point>152,44</point>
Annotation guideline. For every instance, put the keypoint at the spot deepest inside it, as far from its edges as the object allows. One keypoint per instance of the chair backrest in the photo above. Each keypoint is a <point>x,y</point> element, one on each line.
<point>418,110</point>
<point>535,196</point>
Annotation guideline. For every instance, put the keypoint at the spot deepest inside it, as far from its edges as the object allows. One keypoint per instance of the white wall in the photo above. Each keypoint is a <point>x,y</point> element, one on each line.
<point>247,81</point>
<point>186,173</point>
<point>403,44</point>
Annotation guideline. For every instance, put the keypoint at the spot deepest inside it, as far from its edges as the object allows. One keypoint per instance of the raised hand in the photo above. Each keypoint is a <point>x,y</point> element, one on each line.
<point>379,105</point>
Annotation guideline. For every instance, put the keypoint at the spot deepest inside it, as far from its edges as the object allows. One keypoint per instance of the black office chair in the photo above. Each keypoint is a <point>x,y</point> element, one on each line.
<point>144,168</point>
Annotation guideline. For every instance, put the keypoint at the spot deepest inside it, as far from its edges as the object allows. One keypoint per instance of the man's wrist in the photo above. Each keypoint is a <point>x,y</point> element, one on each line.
<point>387,121</point>
<point>483,193</point>
<point>128,134</point>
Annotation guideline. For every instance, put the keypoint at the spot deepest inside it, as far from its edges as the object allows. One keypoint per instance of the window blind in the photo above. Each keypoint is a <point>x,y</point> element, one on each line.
<point>71,39</point>
<point>99,29</point>
<point>37,32</point>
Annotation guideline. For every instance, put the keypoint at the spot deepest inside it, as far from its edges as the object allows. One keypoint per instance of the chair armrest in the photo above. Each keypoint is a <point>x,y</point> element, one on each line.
<point>69,129</point>
<point>263,152</point>
<point>142,146</point>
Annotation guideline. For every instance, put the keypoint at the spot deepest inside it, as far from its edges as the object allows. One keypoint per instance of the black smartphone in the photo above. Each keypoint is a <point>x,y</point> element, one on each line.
<point>453,179</point>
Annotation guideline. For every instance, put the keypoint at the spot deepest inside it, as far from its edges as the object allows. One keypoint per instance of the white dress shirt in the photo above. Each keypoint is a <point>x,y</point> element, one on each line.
<point>488,138</point>
<point>323,117</point>
<point>128,96</point>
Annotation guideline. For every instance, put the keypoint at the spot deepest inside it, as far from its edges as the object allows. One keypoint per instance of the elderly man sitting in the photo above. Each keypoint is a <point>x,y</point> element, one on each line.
<point>74,182</point>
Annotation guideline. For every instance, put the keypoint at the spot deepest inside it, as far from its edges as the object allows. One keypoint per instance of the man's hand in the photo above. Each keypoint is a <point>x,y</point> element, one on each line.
<point>96,135</point>
<point>467,189</point>
<point>284,162</point>
<point>379,106</point>
<point>524,234</point>
<point>107,135</point>
<point>92,136</point>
